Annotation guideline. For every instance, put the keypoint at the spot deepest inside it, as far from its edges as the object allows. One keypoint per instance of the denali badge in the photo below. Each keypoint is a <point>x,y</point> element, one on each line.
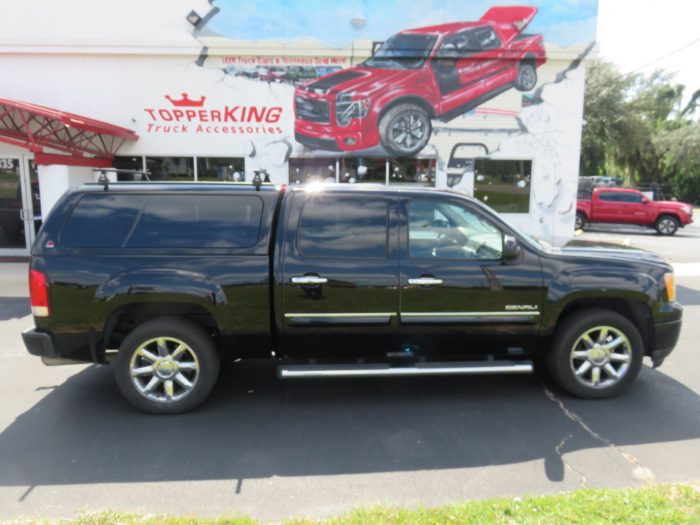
<point>519,307</point>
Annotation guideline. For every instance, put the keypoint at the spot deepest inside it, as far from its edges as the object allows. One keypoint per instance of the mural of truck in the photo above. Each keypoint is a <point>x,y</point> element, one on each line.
<point>435,72</point>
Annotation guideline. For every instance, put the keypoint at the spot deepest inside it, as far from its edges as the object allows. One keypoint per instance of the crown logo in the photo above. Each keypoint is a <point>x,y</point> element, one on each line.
<point>186,101</point>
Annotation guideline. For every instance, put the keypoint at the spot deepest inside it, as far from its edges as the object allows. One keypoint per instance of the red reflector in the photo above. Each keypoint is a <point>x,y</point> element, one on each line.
<point>38,293</point>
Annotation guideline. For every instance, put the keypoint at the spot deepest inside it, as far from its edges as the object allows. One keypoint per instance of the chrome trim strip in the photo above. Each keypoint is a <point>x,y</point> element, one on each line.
<point>506,367</point>
<point>348,315</point>
<point>470,314</point>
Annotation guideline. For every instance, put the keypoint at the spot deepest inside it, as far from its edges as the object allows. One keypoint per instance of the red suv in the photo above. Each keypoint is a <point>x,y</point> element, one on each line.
<point>438,72</point>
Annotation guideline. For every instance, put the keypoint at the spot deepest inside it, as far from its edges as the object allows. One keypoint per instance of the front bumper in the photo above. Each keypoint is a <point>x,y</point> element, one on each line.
<point>666,336</point>
<point>39,343</point>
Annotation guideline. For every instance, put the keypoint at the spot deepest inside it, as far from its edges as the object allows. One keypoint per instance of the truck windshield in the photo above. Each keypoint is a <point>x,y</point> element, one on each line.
<point>402,51</point>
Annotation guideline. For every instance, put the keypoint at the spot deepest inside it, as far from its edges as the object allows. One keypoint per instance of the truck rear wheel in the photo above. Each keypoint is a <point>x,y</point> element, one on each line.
<point>527,76</point>
<point>405,129</point>
<point>166,366</point>
<point>666,225</point>
<point>596,354</point>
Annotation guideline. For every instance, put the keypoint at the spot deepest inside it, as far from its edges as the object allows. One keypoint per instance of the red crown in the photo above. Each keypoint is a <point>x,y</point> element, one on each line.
<point>185,101</point>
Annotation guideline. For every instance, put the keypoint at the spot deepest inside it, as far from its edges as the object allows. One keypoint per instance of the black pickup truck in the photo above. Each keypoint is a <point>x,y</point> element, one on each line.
<point>164,281</point>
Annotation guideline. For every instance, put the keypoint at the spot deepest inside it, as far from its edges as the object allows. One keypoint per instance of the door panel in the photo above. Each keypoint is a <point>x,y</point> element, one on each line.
<point>340,269</point>
<point>606,207</point>
<point>473,293</point>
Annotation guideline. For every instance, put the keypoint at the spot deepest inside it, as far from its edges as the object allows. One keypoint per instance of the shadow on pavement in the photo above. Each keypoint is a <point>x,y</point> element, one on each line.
<point>14,307</point>
<point>687,296</point>
<point>256,426</point>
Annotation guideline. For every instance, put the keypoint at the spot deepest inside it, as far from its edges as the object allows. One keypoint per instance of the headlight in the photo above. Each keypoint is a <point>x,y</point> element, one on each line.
<point>347,107</point>
<point>688,209</point>
<point>670,281</point>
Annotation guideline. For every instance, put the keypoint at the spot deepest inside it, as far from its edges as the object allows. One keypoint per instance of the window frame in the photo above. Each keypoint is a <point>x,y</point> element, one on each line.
<point>511,159</point>
<point>361,198</point>
<point>406,204</point>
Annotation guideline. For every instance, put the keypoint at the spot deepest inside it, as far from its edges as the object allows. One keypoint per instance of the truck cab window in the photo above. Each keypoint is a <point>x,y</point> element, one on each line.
<point>342,226</point>
<point>438,229</point>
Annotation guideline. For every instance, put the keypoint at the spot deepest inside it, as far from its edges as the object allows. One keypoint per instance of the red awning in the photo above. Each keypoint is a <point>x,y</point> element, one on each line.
<point>87,142</point>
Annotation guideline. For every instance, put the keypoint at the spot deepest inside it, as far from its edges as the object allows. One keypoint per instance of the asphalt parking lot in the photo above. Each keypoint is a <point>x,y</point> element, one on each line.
<point>272,449</point>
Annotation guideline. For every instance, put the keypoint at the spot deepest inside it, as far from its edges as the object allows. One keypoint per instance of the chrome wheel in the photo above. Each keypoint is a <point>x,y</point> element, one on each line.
<point>164,369</point>
<point>601,357</point>
<point>409,131</point>
<point>579,223</point>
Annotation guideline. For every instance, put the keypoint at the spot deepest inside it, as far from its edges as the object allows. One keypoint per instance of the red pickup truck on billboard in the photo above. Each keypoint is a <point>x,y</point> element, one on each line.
<point>628,206</point>
<point>439,71</point>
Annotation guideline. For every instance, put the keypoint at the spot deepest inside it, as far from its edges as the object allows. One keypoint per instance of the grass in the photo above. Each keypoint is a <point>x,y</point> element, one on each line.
<point>659,504</point>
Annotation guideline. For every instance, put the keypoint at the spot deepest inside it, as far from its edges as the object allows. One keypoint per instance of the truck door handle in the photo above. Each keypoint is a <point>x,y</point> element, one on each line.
<point>425,281</point>
<point>309,279</point>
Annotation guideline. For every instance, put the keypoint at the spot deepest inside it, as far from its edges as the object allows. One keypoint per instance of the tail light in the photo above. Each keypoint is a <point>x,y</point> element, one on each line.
<point>38,293</point>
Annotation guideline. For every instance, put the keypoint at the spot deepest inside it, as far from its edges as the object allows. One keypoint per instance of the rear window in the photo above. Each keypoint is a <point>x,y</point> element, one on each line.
<point>164,221</point>
<point>343,227</point>
<point>101,220</point>
<point>609,196</point>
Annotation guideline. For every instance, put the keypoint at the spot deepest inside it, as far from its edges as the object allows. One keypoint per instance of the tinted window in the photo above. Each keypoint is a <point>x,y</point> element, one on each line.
<point>343,227</point>
<point>198,221</point>
<point>630,197</point>
<point>101,220</point>
<point>609,196</point>
<point>448,231</point>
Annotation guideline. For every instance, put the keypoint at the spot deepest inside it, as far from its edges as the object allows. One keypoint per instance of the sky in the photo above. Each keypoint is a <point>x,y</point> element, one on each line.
<point>562,21</point>
<point>633,33</point>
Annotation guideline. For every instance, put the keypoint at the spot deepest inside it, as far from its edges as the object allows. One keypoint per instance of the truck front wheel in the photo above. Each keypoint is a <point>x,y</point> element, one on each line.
<point>596,354</point>
<point>405,129</point>
<point>666,225</point>
<point>166,366</point>
<point>527,76</point>
<point>580,221</point>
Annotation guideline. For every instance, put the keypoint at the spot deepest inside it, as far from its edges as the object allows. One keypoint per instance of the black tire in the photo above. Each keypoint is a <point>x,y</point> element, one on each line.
<point>666,225</point>
<point>527,76</point>
<point>580,221</point>
<point>405,129</point>
<point>561,362</point>
<point>200,348</point>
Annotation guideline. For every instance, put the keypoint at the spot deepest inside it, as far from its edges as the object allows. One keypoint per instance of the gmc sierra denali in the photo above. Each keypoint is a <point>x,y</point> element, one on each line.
<point>165,281</point>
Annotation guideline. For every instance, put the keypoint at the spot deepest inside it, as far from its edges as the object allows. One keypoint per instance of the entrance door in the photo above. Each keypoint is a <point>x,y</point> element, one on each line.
<point>19,205</point>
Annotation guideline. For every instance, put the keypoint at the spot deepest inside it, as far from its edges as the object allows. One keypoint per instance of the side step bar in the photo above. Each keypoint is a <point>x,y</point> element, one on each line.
<point>417,369</point>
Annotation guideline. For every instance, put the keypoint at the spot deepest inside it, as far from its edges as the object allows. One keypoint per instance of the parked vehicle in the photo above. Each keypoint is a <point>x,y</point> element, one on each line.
<point>630,206</point>
<point>436,72</point>
<point>299,74</point>
<point>165,281</point>
<point>274,74</point>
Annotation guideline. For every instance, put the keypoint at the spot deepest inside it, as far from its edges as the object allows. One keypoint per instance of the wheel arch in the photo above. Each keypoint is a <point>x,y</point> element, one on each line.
<point>125,318</point>
<point>636,311</point>
<point>407,99</point>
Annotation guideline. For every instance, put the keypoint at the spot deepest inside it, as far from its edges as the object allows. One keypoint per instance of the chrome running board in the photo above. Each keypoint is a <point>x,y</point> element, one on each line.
<point>417,369</point>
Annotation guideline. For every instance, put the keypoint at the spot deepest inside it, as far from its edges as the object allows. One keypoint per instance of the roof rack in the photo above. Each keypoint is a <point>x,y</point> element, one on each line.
<point>104,180</point>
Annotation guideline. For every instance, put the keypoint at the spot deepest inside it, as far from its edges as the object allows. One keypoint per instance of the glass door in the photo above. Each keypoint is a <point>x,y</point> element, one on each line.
<point>19,198</point>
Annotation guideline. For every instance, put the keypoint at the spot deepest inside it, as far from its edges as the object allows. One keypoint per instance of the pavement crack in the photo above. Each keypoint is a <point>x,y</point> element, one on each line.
<point>639,471</point>
<point>568,465</point>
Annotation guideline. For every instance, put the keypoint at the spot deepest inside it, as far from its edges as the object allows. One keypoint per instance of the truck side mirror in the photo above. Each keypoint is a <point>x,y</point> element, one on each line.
<point>645,200</point>
<point>511,248</point>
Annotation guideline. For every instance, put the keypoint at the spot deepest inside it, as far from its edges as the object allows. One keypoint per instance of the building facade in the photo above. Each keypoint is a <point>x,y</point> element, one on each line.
<point>466,95</point>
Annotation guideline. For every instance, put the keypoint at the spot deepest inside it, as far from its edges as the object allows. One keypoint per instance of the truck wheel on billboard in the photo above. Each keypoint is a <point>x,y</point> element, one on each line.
<point>527,76</point>
<point>405,129</point>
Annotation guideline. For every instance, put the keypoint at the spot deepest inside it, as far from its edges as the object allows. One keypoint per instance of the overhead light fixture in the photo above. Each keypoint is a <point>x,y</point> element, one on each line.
<point>193,18</point>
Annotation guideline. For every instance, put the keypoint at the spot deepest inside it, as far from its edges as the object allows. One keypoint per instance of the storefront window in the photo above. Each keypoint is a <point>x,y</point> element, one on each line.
<point>230,169</point>
<point>176,169</point>
<point>363,170</point>
<point>134,163</point>
<point>503,184</point>
<point>418,172</point>
<point>308,170</point>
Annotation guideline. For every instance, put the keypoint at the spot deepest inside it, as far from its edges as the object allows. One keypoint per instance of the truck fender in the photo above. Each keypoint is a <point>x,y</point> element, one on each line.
<point>159,282</point>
